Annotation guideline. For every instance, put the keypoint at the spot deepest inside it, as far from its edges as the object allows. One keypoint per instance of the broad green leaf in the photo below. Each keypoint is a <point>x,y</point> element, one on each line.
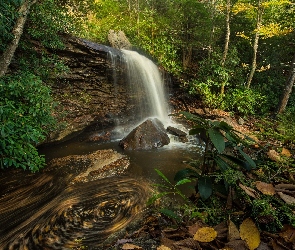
<point>221,163</point>
<point>248,158</point>
<point>205,187</point>
<point>197,130</point>
<point>217,139</point>
<point>162,175</point>
<point>155,197</point>
<point>183,181</point>
<point>170,214</point>
<point>238,161</point>
<point>185,173</point>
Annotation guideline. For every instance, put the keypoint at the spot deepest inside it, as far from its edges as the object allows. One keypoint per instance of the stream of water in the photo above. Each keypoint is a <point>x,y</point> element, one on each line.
<point>44,211</point>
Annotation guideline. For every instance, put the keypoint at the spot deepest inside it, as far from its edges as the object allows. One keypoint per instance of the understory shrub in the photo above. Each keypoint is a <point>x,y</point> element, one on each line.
<point>244,101</point>
<point>25,116</point>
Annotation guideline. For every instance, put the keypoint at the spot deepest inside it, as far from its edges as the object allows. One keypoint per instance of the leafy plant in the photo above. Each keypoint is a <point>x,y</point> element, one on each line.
<point>224,149</point>
<point>25,115</point>
<point>168,189</point>
<point>244,101</point>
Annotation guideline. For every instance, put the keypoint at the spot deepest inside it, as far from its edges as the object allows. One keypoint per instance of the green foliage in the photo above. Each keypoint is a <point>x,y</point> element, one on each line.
<point>8,10</point>
<point>223,150</point>
<point>25,108</point>
<point>244,101</point>
<point>47,20</point>
<point>282,128</point>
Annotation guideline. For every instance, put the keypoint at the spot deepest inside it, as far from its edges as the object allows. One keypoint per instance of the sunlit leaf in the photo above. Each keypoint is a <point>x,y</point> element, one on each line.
<point>205,234</point>
<point>162,247</point>
<point>183,181</point>
<point>250,233</point>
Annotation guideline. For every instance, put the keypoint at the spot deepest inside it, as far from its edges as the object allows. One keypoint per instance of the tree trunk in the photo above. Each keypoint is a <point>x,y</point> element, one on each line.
<point>288,88</point>
<point>227,36</point>
<point>6,57</point>
<point>255,44</point>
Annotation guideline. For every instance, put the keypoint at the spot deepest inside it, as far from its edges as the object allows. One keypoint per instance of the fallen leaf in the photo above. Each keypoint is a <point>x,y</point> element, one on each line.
<point>265,188</point>
<point>129,246</point>
<point>221,230</point>
<point>236,244</point>
<point>285,186</point>
<point>250,233</point>
<point>233,232</point>
<point>288,233</point>
<point>273,155</point>
<point>249,191</point>
<point>263,246</point>
<point>187,243</point>
<point>162,247</point>
<point>205,234</point>
<point>286,152</point>
<point>277,245</point>
<point>195,227</point>
<point>287,198</point>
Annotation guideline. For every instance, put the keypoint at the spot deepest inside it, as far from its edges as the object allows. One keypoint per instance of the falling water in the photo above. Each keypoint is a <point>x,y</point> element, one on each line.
<point>145,86</point>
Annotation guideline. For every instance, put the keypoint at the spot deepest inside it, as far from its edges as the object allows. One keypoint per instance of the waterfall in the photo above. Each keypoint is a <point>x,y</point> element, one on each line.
<point>146,90</point>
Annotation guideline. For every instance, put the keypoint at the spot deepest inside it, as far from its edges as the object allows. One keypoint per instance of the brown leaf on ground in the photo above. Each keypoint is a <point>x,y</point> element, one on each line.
<point>250,233</point>
<point>205,234</point>
<point>188,243</point>
<point>167,242</point>
<point>288,233</point>
<point>237,245</point>
<point>277,245</point>
<point>129,246</point>
<point>221,230</point>
<point>274,155</point>
<point>195,227</point>
<point>285,186</point>
<point>287,198</point>
<point>286,152</point>
<point>175,233</point>
<point>233,232</point>
<point>263,246</point>
<point>162,247</point>
<point>265,188</point>
<point>249,191</point>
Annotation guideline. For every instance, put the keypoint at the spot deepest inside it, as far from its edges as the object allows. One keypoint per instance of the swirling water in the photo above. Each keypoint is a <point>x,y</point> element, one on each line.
<point>46,211</point>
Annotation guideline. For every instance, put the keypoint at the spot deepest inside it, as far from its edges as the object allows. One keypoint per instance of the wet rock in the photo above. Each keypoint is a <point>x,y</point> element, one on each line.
<point>177,132</point>
<point>89,167</point>
<point>150,134</point>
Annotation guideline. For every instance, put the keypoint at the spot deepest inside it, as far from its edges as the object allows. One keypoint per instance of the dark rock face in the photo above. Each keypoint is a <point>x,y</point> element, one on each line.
<point>177,132</point>
<point>150,134</point>
<point>87,95</point>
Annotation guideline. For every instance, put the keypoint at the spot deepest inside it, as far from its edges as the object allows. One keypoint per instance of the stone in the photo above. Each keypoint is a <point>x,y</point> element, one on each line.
<point>119,40</point>
<point>177,132</point>
<point>148,135</point>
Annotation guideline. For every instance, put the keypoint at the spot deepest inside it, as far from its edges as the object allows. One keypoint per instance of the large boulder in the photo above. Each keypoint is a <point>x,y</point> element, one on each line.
<point>150,134</point>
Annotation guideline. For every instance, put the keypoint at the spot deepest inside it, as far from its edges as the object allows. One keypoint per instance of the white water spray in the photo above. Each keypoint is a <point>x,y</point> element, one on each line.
<point>146,87</point>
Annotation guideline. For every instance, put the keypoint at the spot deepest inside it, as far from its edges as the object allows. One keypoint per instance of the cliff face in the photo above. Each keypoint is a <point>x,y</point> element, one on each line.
<point>88,96</point>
